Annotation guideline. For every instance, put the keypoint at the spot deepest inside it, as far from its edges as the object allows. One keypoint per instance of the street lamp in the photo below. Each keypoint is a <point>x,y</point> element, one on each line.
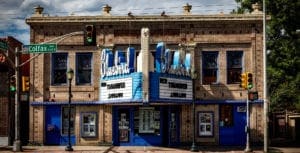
<point>70,75</point>
<point>194,76</point>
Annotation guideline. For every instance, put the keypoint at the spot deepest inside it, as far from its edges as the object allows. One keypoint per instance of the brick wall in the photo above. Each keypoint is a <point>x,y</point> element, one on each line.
<point>214,35</point>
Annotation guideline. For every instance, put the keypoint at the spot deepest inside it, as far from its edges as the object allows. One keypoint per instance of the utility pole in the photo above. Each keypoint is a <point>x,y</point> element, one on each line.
<point>17,147</point>
<point>265,98</point>
<point>17,143</point>
<point>248,149</point>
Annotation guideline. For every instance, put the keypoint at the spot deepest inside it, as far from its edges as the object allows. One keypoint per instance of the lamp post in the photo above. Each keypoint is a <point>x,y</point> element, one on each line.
<point>194,148</point>
<point>70,75</point>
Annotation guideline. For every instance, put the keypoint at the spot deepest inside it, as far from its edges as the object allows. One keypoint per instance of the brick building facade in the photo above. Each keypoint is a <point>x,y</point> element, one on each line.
<point>7,99</point>
<point>220,47</point>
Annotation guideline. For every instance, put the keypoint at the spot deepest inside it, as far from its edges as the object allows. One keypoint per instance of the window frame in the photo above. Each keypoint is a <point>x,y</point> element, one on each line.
<point>82,132</point>
<point>78,69</point>
<point>223,123</point>
<point>214,69</point>
<point>234,69</point>
<point>206,134</point>
<point>72,119</point>
<point>55,68</point>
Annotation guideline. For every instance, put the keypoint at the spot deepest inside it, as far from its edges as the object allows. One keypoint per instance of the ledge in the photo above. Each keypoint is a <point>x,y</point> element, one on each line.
<point>89,19</point>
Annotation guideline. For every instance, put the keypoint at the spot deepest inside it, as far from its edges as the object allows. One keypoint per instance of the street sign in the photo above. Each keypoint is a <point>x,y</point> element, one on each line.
<point>41,48</point>
<point>3,45</point>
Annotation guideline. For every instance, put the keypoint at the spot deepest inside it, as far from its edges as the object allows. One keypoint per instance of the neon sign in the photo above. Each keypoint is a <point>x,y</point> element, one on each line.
<point>172,62</point>
<point>117,64</point>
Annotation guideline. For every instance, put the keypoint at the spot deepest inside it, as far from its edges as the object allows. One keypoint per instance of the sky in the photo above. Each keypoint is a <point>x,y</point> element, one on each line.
<point>14,12</point>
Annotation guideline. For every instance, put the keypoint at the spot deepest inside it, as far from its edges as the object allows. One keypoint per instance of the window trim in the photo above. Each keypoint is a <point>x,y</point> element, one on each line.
<point>211,123</point>
<point>223,125</point>
<point>53,67</point>
<point>217,69</point>
<point>77,67</point>
<point>227,65</point>
<point>81,125</point>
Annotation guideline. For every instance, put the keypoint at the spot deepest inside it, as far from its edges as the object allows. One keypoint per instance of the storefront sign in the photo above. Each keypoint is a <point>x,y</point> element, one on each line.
<point>117,64</point>
<point>172,88</point>
<point>116,89</point>
<point>172,62</point>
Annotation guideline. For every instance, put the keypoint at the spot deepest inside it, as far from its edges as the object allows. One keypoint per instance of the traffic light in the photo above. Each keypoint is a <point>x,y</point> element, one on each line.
<point>12,84</point>
<point>89,35</point>
<point>243,83</point>
<point>249,80</point>
<point>25,83</point>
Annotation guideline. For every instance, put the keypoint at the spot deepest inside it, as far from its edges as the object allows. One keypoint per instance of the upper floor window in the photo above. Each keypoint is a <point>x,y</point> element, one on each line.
<point>210,67</point>
<point>234,66</point>
<point>59,68</point>
<point>83,68</point>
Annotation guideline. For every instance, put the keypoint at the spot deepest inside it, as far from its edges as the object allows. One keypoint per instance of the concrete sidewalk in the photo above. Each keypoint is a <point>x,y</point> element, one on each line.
<point>124,149</point>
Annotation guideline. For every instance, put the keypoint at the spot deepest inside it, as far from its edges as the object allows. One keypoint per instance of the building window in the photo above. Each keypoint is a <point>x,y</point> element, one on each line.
<point>89,124</point>
<point>147,120</point>
<point>83,68</point>
<point>226,115</point>
<point>210,67</point>
<point>206,120</point>
<point>65,120</point>
<point>59,68</point>
<point>234,66</point>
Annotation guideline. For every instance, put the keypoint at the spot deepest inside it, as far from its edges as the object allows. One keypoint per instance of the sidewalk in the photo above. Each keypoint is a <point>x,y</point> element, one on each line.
<point>124,149</point>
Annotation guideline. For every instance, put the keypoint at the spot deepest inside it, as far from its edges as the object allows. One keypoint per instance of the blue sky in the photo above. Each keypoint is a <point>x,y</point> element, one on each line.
<point>14,12</point>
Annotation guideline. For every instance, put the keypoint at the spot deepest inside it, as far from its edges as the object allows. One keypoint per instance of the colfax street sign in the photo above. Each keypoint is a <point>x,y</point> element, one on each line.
<point>3,45</point>
<point>41,48</point>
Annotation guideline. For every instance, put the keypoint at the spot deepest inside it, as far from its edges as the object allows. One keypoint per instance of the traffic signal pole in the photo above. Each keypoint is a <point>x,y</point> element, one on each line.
<point>17,143</point>
<point>17,147</point>
<point>265,98</point>
<point>247,149</point>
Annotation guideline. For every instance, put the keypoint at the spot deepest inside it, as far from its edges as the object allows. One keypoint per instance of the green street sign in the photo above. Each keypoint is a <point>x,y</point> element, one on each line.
<point>41,48</point>
<point>3,45</point>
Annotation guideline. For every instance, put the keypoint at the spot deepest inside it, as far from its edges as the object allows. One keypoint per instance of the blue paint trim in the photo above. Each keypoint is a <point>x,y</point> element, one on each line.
<point>135,74</point>
<point>129,101</point>
<point>140,101</point>
<point>116,101</point>
<point>46,103</point>
<point>175,101</point>
<point>227,101</point>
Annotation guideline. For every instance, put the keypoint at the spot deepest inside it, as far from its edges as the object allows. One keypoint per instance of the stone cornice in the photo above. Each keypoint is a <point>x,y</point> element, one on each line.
<point>114,19</point>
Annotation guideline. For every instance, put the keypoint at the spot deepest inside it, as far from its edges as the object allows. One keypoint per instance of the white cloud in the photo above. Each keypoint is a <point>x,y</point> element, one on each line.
<point>14,12</point>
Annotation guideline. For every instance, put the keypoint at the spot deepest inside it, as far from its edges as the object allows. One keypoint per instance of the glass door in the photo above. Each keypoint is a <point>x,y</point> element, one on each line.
<point>173,127</point>
<point>124,126</point>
